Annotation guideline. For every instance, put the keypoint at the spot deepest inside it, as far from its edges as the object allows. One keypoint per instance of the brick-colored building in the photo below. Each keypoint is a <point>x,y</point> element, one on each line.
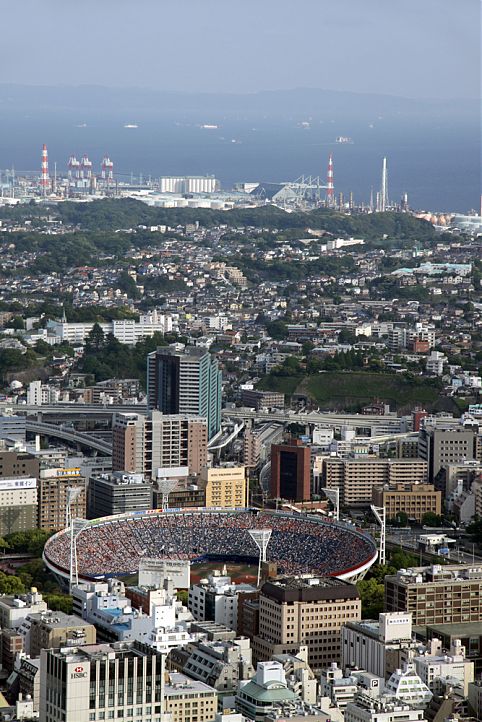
<point>52,497</point>
<point>415,500</point>
<point>142,444</point>
<point>437,594</point>
<point>290,471</point>
<point>259,399</point>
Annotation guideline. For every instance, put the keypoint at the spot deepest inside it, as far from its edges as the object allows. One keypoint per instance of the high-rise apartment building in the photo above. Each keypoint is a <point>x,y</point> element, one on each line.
<point>356,478</point>
<point>143,444</point>
<point>437,594</point>
<point>185,382</point>
<point>290,471</point>
<point>305,611</point>
<point>123,680</point>
<point>53,496</point>
<point>251,448</point>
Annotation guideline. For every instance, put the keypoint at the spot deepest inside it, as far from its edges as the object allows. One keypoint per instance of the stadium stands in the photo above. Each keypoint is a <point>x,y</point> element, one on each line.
<point>113,546</point>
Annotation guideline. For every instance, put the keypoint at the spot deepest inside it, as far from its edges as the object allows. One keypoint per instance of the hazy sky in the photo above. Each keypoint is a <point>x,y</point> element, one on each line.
<point>402,47</point>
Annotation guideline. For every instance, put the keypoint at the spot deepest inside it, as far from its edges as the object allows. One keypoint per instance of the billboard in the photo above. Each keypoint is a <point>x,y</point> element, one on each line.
<point>18,483</point>
<point>152,572</point>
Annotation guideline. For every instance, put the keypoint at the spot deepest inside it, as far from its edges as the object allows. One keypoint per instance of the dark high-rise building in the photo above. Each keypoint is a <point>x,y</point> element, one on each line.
<point>118,493</point>
<point>290,471</point>
<point>185,382</point>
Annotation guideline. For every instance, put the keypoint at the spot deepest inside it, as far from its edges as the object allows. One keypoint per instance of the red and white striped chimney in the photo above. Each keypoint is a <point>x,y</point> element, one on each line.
<point>330,182</point>
<point>44,179</point>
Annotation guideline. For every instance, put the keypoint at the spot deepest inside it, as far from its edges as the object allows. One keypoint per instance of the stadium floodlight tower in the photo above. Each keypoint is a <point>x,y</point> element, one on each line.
<point>77,526</point>
<point>166,486</point>
<point>334,496</point>
<point>380,515</point>
<point>261,538</point>
<point>73,493</point>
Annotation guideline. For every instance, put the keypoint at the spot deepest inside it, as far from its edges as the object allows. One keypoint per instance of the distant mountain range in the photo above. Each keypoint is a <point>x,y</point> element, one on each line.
<point>290,103</point>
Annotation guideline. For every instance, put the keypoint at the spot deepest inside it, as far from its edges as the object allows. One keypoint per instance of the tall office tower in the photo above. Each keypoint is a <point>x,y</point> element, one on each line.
<point>185,382</point>
<point>446,445</point>
<point>308,611</point>
<point>123,680</point>
<point>144,444</point>
<point>290,471</point>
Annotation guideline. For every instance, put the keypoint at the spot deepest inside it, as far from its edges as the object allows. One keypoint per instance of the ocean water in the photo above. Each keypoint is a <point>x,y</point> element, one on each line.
<point>437,162</point>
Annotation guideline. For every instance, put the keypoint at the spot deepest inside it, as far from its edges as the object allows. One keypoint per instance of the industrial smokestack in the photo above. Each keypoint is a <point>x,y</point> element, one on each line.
<point>44,178</point>
<point>330,182</point>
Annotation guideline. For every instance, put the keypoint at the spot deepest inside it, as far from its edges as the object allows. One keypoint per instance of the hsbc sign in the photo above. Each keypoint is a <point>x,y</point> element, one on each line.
<point>78,673</point>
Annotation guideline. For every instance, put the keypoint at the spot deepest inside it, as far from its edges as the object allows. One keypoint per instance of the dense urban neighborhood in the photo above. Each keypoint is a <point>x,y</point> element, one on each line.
<point>241,456</point>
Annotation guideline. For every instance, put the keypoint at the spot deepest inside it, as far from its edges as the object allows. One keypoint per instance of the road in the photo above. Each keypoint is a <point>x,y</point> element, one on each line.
<point>312,417</point>
<point>72,436</point>
<point>408,541</point>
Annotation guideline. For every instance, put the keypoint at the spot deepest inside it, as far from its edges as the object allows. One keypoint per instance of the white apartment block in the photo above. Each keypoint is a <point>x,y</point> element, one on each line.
<point>126,330</point>
<point>15,609</point>
<point>436,668</point>
<point>216,599</point>
<point>366,709</point>
<point>378,647</point>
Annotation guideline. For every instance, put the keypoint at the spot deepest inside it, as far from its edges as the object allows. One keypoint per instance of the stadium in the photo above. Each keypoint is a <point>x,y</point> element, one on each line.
<point>113,546</point>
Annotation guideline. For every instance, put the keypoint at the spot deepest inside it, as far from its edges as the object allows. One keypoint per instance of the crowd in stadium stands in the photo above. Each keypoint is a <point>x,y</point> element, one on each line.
<point>297,544</point>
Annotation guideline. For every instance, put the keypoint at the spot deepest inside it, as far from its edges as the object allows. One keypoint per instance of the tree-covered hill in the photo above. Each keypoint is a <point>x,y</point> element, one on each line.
<point>110,214</point>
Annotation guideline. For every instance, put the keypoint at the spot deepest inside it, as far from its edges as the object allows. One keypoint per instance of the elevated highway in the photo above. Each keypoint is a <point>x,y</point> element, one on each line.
<point>74,409</point>
<point>73,437</point>
<point>312,417</point>
<point>105,447</point>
